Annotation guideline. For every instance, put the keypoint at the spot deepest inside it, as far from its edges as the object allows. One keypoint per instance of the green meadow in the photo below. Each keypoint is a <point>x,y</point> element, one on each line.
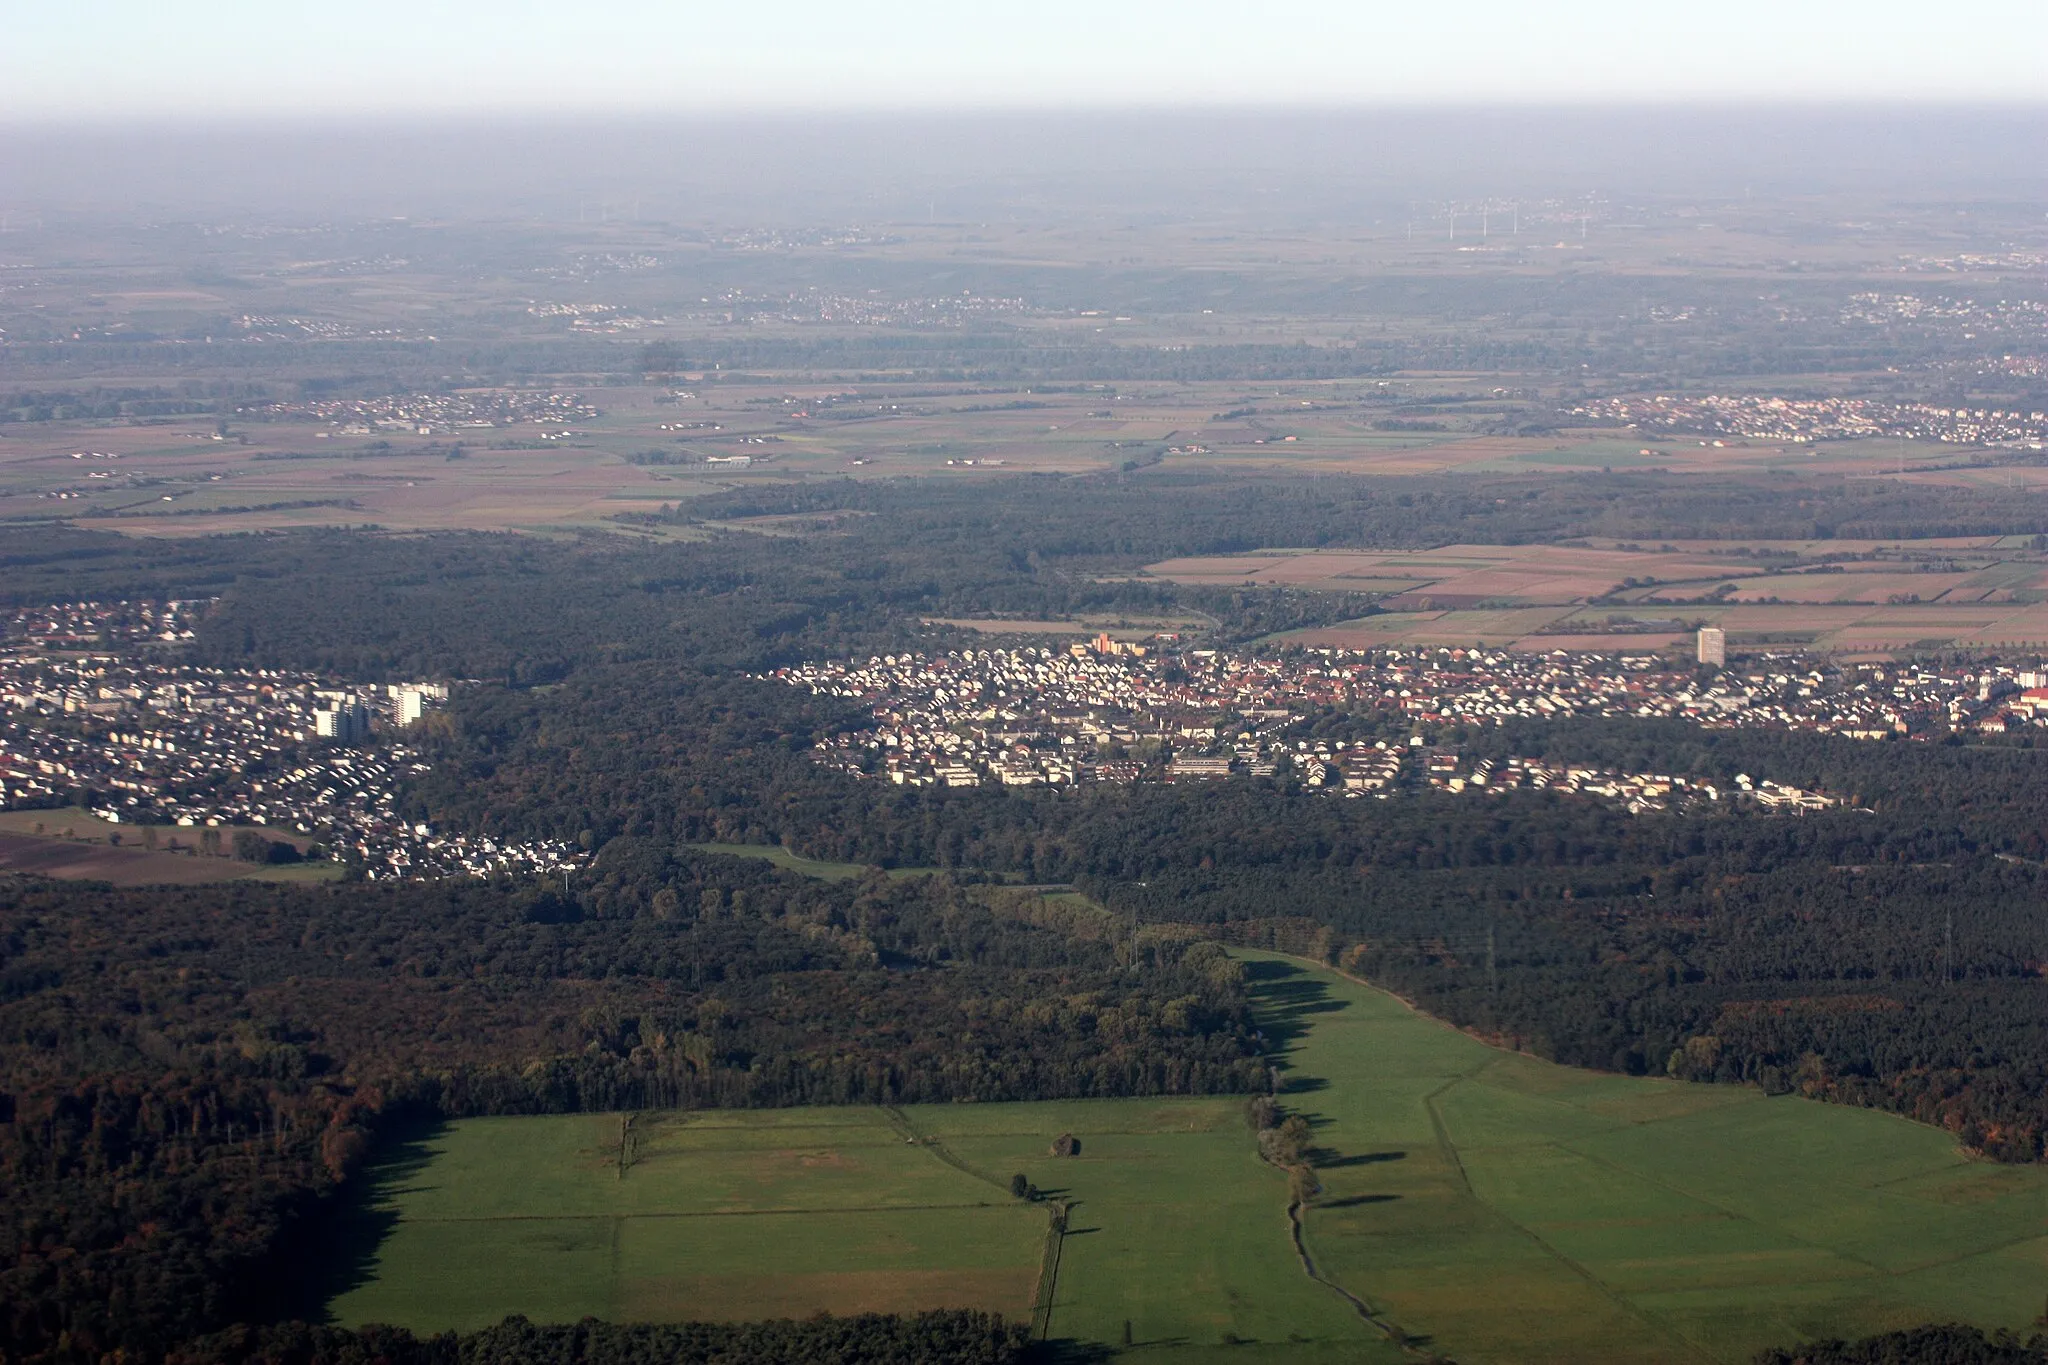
<point>1479,1203</point>
<point>1500,1208</point>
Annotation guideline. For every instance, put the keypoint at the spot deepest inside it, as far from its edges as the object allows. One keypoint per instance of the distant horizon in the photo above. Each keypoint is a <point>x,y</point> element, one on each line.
<point>214,57</point>
<point>1317,162</point>
<point>522,116</point>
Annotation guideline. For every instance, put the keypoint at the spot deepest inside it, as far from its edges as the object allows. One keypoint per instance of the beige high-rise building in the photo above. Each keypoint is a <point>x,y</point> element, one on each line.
<point>1713,646</point>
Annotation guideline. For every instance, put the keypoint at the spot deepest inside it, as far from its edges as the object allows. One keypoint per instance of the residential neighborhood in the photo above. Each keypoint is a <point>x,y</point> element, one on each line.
<point>431,414</point>
<point>1764,417</point>
<point>154,742</point>
<point>1112,711</point>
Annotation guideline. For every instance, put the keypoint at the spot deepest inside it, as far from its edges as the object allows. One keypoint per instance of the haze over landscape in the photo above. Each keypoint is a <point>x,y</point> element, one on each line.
<point>1124,683</point>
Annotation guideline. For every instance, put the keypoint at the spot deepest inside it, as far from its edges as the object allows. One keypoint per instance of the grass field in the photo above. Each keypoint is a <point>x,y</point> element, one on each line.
<point>787,1212</point>
<point>1485,1204</point>
<point>1512,1210</point>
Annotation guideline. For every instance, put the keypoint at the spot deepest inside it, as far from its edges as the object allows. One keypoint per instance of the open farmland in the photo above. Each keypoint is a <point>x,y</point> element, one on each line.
<point>74,845</point>
<point>1488,1204</point>
<point>758,1214</point>
<point>1966,592</point>
<point>1644,629</point>
<point>712,1216</point>
<point>623,446</point>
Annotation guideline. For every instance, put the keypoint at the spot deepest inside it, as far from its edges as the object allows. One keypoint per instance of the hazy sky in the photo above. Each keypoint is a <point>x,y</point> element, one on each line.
<point>95,59</point>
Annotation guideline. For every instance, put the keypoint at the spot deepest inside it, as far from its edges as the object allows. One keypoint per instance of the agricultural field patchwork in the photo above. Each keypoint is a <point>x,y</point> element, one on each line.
<point>1957,592</point>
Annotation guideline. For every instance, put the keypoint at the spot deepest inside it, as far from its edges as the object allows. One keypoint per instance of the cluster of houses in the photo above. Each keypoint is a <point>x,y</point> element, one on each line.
<point>1798,421</point>
<point>1114,694</point>
<point>73,625</point>
<point>1636,792</point>
<point>432,414</point>
<point>1965,319</point>
<point>158,743</point>
<point>1121,712</point>
<point>264,327</point>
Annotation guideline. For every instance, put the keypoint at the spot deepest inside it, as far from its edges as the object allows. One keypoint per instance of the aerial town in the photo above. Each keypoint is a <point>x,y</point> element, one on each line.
<point>1121,712</point>
<point>431,414</point>
<point>136,739</point>
<point>1759,417</point>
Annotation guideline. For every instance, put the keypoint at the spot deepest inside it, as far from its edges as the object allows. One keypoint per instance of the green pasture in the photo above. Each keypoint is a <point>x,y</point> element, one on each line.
<point>1175,1225</point>
<point>723,1215</point>
<point>1507,1209</point>
<point>1482,1203</point>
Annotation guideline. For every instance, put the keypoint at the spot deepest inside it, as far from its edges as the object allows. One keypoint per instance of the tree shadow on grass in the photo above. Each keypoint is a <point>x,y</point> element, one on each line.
<point>333,1249</point>
<point>1355,1200</point>
<point>1329,1161</point>
<point>1286,1000</point>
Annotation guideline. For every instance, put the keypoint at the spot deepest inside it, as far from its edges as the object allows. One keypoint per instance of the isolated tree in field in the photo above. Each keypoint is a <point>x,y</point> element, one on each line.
<point>1019,1186</point>
<point>1066,1144</point>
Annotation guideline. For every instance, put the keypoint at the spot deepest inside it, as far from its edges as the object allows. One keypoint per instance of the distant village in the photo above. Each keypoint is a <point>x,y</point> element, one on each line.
<point>92,717</point>
<point>1799,421</point>
<point>431,414</point>
<point>1115,711</point>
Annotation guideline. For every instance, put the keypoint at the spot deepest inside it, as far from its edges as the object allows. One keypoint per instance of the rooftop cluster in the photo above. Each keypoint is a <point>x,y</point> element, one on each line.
<point>434,413</point>
<point>1109,711</point>
<point>70,624</point>
<point>1800,420</point>
<point>158,743</point>
<point>1963,318</point>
